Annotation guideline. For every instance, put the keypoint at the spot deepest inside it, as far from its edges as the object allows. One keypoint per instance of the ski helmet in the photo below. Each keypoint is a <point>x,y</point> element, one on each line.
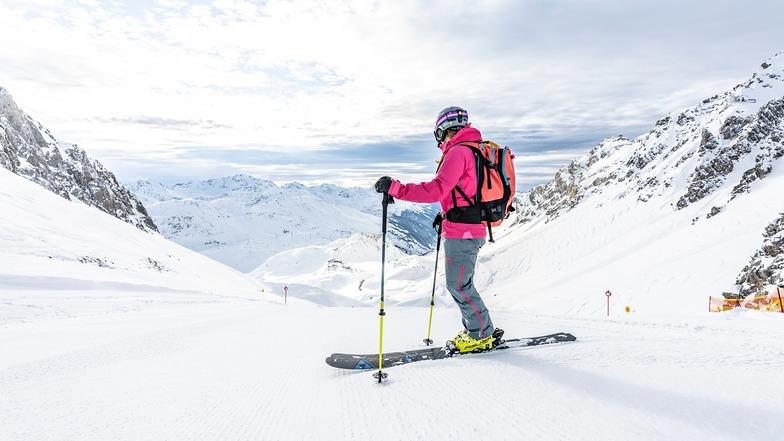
<point>451,117</point>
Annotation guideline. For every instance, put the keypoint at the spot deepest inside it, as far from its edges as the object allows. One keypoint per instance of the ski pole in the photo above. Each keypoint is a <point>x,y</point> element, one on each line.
<point>778,290</point>
<point>428,341</point>
<point>384,203</point>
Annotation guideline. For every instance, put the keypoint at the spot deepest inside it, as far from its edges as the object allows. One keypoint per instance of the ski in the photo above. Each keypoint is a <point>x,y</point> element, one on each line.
<point>370,361</point>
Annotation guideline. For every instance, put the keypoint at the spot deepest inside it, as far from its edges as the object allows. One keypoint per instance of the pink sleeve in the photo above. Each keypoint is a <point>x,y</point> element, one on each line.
<point>454,166</point>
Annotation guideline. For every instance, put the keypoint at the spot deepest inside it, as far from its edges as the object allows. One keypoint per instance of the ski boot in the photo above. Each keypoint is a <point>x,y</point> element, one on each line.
<point>464,343</point>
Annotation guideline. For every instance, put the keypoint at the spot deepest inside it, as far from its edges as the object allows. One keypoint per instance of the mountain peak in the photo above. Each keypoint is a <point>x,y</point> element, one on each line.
<point>776,60</point>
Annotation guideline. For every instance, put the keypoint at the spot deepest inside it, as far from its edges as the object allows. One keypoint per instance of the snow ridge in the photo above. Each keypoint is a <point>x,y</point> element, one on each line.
<point>718,147</point>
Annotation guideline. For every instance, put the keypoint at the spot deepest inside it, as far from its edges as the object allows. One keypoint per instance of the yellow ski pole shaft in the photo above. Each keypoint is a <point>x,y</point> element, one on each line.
<point>384,202</point>
<point>381,374</point>
<point>428,341</point>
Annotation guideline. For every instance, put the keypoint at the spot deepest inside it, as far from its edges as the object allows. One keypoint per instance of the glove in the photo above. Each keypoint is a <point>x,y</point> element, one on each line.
<point>383,184</point>
<point>437,221</point>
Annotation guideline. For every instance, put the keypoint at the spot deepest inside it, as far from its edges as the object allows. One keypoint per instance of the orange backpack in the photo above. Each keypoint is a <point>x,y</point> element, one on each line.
<point>495,188</point>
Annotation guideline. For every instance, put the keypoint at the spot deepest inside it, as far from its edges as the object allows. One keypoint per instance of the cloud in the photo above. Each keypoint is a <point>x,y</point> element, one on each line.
<point>358,83</point>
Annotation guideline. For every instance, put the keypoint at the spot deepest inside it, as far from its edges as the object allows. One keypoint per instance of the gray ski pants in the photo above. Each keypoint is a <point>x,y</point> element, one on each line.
<point>460,263</point>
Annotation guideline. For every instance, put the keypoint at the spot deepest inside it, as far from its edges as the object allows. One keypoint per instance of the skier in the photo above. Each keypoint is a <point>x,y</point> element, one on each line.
<point>462,241</point>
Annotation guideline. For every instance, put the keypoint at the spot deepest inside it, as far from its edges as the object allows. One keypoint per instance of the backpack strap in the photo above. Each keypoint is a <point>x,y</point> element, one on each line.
<point>462,193</point>
<point>472,213</point>
<point>490,233</point>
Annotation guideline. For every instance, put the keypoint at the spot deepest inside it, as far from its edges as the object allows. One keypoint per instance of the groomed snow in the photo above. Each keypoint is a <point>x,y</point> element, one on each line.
<point>107,332</point>
<point>245,370</point>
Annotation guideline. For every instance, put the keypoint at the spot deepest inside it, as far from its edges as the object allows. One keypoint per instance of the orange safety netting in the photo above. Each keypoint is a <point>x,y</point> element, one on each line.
<point>770,302</point>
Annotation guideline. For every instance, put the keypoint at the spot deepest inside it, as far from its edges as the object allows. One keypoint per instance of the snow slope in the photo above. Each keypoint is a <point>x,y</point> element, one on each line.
<point>352,268</point>
<point>108,332</point>
<point>651,257</point>
<point>46,238</point>
<point>197,371</point>
<point>650,261</point>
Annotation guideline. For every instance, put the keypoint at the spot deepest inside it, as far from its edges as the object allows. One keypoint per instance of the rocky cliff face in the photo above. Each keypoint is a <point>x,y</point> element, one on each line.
<point>721,145</point>
<point>766,267</point>
<point>714,151</point>
<point>29,150</point>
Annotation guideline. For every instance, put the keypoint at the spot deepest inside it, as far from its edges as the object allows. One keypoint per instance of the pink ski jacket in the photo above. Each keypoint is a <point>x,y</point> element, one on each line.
<point>458,167</point>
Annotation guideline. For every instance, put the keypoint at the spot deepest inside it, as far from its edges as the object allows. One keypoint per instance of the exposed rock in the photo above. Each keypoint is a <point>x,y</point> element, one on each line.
<point>767,264</point>
<point>711,153</point>
<point>29,150</point>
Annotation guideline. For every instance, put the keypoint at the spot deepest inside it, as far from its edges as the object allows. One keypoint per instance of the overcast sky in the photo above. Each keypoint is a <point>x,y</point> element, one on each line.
<point>345,91</point>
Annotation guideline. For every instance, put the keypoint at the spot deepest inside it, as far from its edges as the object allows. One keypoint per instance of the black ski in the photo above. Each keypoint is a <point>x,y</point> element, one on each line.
<point>370,361</point>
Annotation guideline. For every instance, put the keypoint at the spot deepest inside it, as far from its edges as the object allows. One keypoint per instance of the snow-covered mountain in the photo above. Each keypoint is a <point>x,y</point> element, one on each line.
<point>663,221</point>
<point>715,149</point>
<point>50,243</point>
<point>706,157</point>
<point>241,220</point>
<point>30,150</point>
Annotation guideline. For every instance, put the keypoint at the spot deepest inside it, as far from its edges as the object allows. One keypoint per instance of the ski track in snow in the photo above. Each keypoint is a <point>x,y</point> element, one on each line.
<point>221,371</point>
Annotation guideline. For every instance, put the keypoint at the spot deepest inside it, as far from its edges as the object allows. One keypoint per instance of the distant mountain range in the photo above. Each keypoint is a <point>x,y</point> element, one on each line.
<point>241,220</point>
